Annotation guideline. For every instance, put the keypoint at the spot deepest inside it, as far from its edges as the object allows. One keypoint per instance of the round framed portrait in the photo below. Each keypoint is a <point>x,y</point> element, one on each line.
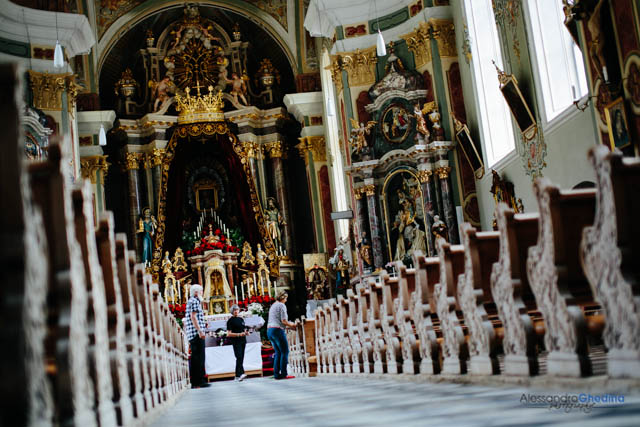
<point>395,124</point>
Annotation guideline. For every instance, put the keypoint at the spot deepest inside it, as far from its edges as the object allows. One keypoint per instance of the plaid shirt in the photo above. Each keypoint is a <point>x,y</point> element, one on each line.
<point>193,305</point>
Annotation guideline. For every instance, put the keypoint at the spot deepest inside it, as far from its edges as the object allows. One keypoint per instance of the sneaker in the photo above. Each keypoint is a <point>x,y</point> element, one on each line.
<point>236,379</point>
<point>288,377</point>
<point>243,376</point>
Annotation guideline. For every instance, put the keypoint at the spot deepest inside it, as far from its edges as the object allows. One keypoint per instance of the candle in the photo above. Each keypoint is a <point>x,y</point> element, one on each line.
<point>235,291</point>
<point>605,74</point>
<point>261,286</point>
<point>242,289</point>
<point>255,283</point>
<point>275,289</point>
<point>179,293</point>
<point>268,287</point>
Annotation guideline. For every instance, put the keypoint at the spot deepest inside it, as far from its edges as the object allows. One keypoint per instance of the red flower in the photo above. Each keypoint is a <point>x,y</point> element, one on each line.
<point>217,232</point>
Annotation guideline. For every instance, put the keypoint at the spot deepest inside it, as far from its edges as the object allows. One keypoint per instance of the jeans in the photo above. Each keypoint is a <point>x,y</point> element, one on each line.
<point>196,365</point>
<point>280,345</point>
<point>238,351</point>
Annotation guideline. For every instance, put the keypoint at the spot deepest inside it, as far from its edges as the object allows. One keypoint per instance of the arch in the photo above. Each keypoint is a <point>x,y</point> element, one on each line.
<point>132,18</point>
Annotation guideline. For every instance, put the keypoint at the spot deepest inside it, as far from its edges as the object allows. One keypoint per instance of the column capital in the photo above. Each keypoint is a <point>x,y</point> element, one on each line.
<point>369,189</point>
<point>444,32</point>
<point>92,164</point>
<point>156,157</point>
<point>133,160</point>
<point>424,175</point>
<point>443,172</point>
<point>275,149</point>
<point>315,145</point>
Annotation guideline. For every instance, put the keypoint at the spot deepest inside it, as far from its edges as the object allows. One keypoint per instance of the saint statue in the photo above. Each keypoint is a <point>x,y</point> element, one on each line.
<point>341,266</point>
<point>166,263</point>
<point>170,290</point>
<point>247,257</point>
<point>179,263</point>
<point>438,132</point>
<point>423,134</point>
<point>273,221</point>
<point>439,228</point>
<point>261,257</point>
<point>419,241</point>
<point>238,87</point>
<point>364,248</point>
<point>147,227</point>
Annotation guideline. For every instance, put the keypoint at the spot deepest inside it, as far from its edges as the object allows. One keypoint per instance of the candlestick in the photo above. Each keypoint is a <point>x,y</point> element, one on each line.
<point>268,288</point>
<point>255,283</point>
<point>179,292</point>
<point>242,289</point>
<point>261,286</point>
<point>235,291</point>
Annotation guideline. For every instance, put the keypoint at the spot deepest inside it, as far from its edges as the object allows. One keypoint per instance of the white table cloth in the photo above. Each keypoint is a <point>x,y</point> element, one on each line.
<point>220,359</point>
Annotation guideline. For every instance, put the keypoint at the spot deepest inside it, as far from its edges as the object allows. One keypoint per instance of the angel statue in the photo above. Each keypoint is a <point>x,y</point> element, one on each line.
<point>358,132</point>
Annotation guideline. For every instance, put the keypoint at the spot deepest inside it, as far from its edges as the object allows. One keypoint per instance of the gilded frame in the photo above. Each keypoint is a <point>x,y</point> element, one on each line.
<point>198,187</point>
<point>518,106</point>
<point>385,204</point>
<point>616,109</point>
<point>465,142</point>
<point>194,130</point>
<point>214,300</point>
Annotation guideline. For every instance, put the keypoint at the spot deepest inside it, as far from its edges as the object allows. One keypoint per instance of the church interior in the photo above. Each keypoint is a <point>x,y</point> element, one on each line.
<point>444,188</point>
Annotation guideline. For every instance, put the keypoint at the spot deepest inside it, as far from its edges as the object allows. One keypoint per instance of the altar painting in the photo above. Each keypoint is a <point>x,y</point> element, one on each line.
<point>404,215</point>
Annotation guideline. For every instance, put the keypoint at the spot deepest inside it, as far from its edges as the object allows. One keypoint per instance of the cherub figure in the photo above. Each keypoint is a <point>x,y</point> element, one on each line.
<point>161,91</point>
<point>358,132</point>
<point>421,124</point>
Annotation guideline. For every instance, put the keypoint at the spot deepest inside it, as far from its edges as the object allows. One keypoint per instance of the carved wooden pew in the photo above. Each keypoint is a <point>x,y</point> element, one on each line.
<point>390,330</point>
<point>25,276</point>
<point>132,340</point>
<point>334,333</point>
<point>562,292</point>
<point>403,307</point>
<point>344,348</point>
<point>609,254</point>
<point>423,309</point>
<point>355,340</point>
<point>144,289</point>
<point>160,344</point>
<point>451,266</point>
<point>374,324</point>
<point>328,340</point>
<point>67,338</point>
<point>98,348</point>
<point>512,293</point>
<point>116,319</point>
<point>475,299</point>
<point>309,345</point>
<point>363,329</point>
<point>300,348</point>
<point>137,274</point>
<point>321,345</point>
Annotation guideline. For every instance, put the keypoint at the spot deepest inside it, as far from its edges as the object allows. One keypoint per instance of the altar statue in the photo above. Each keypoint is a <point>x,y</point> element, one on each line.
<point>423,134</point>
<point>340,264</point>
<point>166,263</point>
<point>317,283</point>
<point>364,248</point>
<point>439,228</point>
<point>434,117</point>
<point>263,270</point>
<point>178,260</point>
<point>170,289</point>
<point>212,238</point>
<point>247,283</point>
<point>273,221</point>
<point>147,227</point>
<point>358,132</point>
<point>247,257</point>
<point>161,91</point>
<point>238,87</point>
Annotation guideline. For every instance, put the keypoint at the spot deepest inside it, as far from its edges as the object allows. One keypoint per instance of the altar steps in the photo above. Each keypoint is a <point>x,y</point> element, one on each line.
<point>267,361</point>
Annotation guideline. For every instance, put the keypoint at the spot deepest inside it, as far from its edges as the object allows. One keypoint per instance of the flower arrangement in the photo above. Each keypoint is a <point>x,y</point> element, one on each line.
<point>205,245</point>
<point>178,311</point>
<point>256,308</point>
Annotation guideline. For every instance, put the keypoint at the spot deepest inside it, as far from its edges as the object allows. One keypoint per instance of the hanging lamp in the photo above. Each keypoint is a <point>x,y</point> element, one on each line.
<point>58,56</point>
<point>102,136</point>
<point>381,49</point>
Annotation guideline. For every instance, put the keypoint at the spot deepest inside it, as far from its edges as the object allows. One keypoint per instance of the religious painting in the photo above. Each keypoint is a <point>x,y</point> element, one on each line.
<point>465,142</point>
<point>206,196</point>
<point>218,306</point>
<point>395,124</point>
<point>518,106</point>
<point>617,124</point>
<point>404,214</point>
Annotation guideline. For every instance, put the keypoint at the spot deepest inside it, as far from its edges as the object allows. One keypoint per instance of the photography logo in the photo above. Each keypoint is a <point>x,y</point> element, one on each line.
<point>568,402</point>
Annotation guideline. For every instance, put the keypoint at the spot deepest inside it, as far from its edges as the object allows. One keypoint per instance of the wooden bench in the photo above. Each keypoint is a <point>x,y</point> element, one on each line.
<point>451,266</point>
<point>309,342</point>
<point>390,330</point>
<point>98,348</point>
<point>363,329</point>
<point>345,348</point>
<point>403,307</point>
<point>513,296</point>
<point>427,273</point>
<point>352,332</point>
<point>561,289</point>
<point>476,301</point>
<point>609,254</point>
<point>374,326</point>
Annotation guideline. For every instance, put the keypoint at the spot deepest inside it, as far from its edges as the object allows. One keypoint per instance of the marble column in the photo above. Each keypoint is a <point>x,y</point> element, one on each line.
<point>132,166</point>
<point>362,223</point>
<point>155,162</point>
<point>374,225</point>
<point>277,154</point>
<point>253,151</point>
<point>428,203</point>
<point>448,208</point>
<point>261,178</point>
<point>230,275</point>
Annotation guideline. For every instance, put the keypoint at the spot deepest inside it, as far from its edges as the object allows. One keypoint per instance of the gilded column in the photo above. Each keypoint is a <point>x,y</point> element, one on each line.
<point>95,169</point>
<point>132,166</point>
<point>276,153</point>
<point>155,159</point>
<point>424,176</point>
<point>448,209</point>
<point>374,225</point>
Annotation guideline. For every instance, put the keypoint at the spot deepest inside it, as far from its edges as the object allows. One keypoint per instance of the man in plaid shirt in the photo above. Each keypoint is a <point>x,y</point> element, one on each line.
<point>194,328</point>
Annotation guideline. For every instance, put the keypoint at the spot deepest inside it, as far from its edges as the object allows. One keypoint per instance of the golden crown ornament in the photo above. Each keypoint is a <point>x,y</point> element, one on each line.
<point>199,108</point>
